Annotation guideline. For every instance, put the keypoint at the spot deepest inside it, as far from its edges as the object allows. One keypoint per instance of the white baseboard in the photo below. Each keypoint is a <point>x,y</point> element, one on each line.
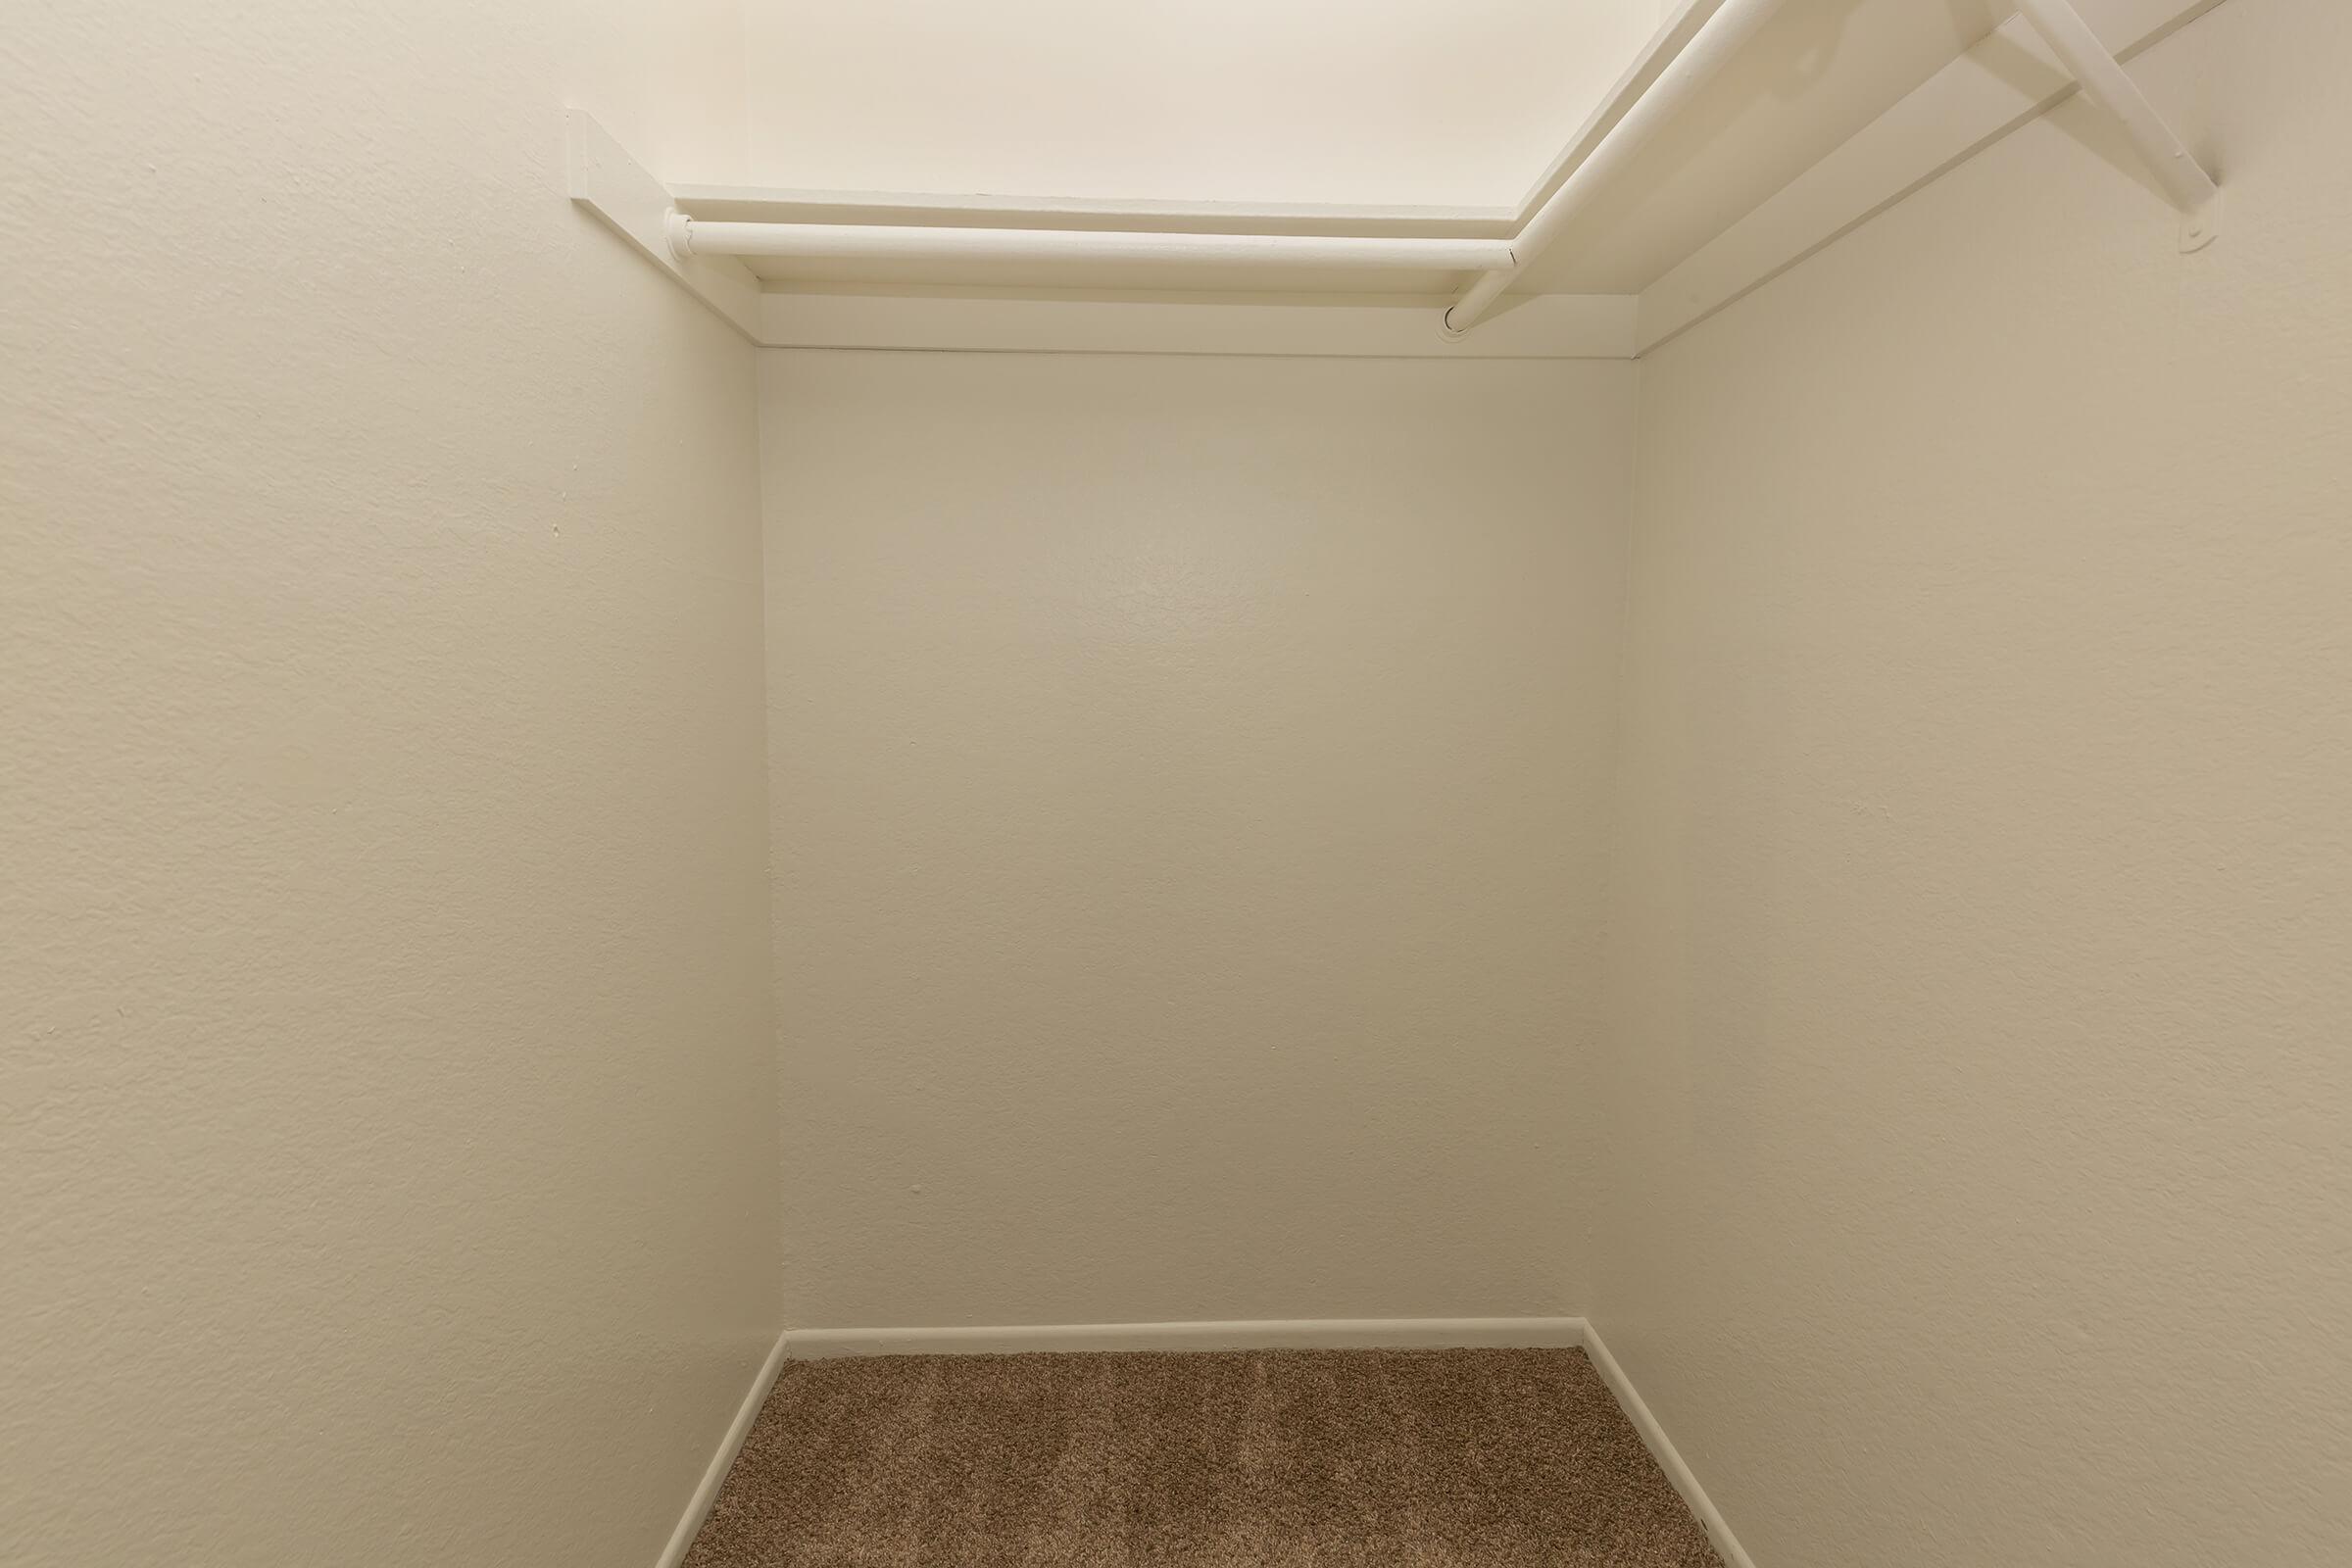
<point>1280,1334</point>
<point>1663,1450</point>
<point>698,1507</point>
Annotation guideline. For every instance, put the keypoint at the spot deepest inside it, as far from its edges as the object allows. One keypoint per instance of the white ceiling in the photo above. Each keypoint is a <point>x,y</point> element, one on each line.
<point>1451,103</point>
<point>1454,107</point>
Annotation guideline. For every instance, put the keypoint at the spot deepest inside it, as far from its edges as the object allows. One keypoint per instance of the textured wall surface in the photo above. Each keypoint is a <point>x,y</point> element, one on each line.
<point>1188,785</point>
<point>386,1127</point>
<point>1981,1084</point>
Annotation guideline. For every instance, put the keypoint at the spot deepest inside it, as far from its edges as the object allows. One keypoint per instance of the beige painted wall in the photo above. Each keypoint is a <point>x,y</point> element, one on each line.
<point>386,1104</point>
<point>1980,1082</point>
<point>1188,779</point>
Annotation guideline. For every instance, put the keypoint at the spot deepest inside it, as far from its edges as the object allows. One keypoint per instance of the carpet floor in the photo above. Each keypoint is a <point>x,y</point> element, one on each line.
<point>1201,1459</point>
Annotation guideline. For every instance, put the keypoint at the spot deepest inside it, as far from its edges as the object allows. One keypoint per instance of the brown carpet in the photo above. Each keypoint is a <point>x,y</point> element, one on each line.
<point>1336,1458</point>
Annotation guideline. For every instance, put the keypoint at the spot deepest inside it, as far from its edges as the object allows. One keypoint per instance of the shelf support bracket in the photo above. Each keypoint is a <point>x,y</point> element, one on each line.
<point>2105,82</point>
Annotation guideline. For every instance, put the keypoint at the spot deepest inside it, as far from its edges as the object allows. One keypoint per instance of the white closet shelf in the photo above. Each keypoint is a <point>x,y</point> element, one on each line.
<point>1750,133</point>
<point>747,204</point>
<point>955,244</point>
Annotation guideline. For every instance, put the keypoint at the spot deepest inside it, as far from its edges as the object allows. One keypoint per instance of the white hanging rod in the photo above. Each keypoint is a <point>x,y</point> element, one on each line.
<point>1730,26</point>
<point>844,242</point>
<point>2106,83</point>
